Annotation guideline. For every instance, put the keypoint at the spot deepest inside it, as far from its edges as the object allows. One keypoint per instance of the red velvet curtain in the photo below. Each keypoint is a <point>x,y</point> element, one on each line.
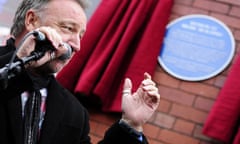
<point>223,120</point>
<point>123,39</point>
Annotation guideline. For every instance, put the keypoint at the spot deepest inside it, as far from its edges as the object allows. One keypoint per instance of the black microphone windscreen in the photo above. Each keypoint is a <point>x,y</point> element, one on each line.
<point>39,36</point>
<point>68,54</point>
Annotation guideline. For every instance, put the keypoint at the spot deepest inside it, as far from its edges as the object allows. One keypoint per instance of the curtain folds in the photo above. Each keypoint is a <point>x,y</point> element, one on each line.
<point>223,120</point>
<point>123,39</point>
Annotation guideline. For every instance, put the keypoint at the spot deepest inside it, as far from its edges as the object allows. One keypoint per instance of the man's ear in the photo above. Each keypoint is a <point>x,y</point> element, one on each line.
<point>31,20</point>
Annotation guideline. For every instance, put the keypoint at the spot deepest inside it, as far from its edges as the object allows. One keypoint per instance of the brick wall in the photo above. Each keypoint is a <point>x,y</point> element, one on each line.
<point>184,105</point>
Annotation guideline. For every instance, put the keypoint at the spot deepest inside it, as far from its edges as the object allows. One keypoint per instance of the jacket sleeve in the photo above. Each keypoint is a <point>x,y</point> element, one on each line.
<point>6,52</point>
<point>5,56</point>
<point>118,134</point>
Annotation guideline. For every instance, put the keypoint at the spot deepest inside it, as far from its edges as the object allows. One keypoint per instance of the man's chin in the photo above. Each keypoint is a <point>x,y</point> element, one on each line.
<point>57,65</point>
<point>51,67</point>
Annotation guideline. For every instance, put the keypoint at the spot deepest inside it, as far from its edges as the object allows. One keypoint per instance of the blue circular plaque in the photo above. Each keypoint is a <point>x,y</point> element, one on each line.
<point>196,47</point>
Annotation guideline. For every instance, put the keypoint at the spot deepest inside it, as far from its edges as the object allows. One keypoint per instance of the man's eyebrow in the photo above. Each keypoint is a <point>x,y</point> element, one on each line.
<point>68,22</point>
<point>81,27</point>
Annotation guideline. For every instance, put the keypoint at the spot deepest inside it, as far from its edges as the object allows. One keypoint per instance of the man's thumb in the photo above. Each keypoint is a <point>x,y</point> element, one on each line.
<point>127,87</point>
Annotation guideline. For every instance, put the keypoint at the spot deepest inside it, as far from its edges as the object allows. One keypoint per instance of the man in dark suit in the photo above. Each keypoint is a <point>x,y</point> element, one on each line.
<point>45,28</point>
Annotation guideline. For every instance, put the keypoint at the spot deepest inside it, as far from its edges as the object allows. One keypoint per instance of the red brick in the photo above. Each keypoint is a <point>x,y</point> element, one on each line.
<point>229,21</point>
<point>158,68</point>
<point>186,10</point>
<point>164,120</point>
<point>103,117</point>
<point>220,80</point>
<point>95,139</point>
<point>93,126</point>
<point>184,126</point>
<point>173,17</point>
<point>200,89</point>
<point>185,2</point>
<point>211,6</point>
<point>206,142</point>
<point>226,70</point>
<point>232,2</point>
<point>172,137</point>
<point>164,105</point>
<point>153,141</point>
<point>188,113</point>
<point>234,59</point>
<point>203,103</point>
<point>237,34</point>
<point>176,95</point>
<point>152,118</point>
<point>238,48</point>
<point>198,133</point>
<point>102,128</point>
<point>235,11</point>
<point>209,81</point>
<point>150,130</point>
<point>167,80</point>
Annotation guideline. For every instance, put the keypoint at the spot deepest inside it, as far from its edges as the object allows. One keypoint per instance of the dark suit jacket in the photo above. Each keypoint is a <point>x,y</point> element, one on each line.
<point>66,120</point>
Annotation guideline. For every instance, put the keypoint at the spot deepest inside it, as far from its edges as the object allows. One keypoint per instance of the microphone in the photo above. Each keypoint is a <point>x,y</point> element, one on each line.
<point>43,44</point>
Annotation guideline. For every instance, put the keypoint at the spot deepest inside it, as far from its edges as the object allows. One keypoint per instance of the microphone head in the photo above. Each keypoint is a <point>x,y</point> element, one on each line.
<point>68,54</point>
<point>39,36</point>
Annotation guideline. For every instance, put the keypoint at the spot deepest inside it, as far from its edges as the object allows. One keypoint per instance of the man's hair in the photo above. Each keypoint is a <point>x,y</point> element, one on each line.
<point>19,19</point>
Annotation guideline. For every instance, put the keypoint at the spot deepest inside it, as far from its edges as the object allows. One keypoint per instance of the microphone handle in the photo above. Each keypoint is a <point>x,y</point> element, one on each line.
<point>43,44</point>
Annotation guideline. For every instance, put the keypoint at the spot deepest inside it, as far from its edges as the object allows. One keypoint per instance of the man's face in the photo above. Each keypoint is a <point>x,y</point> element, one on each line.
<point>69,20</point>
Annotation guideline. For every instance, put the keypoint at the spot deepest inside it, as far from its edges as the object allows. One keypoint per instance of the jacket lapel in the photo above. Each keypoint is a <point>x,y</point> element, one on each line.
<point>15,118</point>
<point>55,106</point>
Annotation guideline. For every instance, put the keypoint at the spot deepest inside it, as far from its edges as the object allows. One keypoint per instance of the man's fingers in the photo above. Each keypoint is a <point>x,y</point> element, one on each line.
<point>150,88</point>
<point>148,82</point>
<point>147,75</point>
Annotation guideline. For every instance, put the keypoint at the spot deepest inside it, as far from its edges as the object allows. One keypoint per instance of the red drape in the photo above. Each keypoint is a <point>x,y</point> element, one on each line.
<point>123,39</point>
<point>224,117</point>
